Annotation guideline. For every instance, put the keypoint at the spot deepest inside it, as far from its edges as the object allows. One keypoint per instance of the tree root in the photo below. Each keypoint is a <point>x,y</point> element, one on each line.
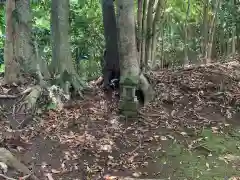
<point>7,158</point>
<point>146,89</point>
<point>32,98</point>
<point>71,83</point>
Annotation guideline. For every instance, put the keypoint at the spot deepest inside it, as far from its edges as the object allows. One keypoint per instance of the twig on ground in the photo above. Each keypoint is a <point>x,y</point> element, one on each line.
<point>25,177</point>
<point>7,96</point>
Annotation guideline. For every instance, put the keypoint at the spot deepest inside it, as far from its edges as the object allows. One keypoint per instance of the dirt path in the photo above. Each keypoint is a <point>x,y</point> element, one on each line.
<point>89,143</point>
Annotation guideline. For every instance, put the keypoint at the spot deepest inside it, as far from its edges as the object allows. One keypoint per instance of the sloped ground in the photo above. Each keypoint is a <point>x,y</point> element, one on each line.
<point>185,133</point>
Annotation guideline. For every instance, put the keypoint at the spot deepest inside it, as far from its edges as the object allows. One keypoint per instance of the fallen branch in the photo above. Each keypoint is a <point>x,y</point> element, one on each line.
<point>5,96</point>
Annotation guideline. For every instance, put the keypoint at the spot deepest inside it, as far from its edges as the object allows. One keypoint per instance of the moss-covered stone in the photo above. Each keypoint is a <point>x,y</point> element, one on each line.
<point>128,102</point>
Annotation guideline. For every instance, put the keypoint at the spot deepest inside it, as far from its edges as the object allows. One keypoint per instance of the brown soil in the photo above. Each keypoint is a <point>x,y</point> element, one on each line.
<point>89,140</point>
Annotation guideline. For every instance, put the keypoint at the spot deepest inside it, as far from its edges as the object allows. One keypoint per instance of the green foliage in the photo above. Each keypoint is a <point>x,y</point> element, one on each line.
<point>173,26</point>
<point>2,26</point>
<point>86,33</point>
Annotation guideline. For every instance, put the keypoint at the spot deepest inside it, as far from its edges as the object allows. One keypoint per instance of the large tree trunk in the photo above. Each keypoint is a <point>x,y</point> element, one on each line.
<point>18,46</point>
<point>62,65</point>
<point>111,59</point>
<point>127,41</point>
<point>12,69</point>
<point>131,77</point>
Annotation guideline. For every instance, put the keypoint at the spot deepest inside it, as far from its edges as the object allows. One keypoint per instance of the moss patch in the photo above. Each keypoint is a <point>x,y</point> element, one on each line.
<point>207,156</point>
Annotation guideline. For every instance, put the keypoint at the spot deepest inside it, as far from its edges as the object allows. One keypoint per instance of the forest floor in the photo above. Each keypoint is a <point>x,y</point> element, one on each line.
<point>189,131</point>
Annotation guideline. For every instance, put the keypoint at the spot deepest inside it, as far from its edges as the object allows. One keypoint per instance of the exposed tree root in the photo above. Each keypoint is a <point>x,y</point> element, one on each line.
<point>32,98</point>
<point>146,89</point>
<point>7,158</point>
<point>71,83</point>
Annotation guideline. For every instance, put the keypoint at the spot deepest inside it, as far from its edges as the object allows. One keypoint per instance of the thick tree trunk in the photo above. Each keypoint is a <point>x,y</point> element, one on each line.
<point>127,41</point>
<point>61,58</point>
<point>62,65</point>
<point>111,59</point>
<point>12,69</point>
<point>131,77</point>
<point>18,47</point>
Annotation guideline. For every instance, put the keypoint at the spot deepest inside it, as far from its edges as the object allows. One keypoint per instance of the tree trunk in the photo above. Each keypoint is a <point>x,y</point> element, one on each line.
<point>131,77</point>
<point>155,35</point>
<point>62,65</point>
<point>139,23</point>
<point>211,33</point>
<point>127,41</point>
<point>149,32</point>
<point>234,27</point>
<point>111,59</point>
<point>18,47</point>
<point>205,29</point>
<point>143,32</point>
<point>12,69</point>
<point>186,59</point>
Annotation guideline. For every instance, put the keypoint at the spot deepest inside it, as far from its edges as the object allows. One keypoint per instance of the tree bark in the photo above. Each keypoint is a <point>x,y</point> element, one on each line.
<point>143,34</point>
<point>205,29</point>
<point>139,28</point>
<point>130,69</point>
<point>211,32</point>
<point>149,32</point>
<point>61,66</point>
<point>186,59</point>
<point>155,35</point>
<point>12,69</point>
<point>111,59</point>
<point>127,41</point>
<point>18,46</point>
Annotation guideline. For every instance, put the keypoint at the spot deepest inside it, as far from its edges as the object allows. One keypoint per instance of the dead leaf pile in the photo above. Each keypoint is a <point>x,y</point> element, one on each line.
<point>89,139</point>
<point>201,95</point>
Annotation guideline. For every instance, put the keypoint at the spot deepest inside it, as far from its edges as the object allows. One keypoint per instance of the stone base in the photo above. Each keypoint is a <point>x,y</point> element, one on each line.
<point>128,108</point>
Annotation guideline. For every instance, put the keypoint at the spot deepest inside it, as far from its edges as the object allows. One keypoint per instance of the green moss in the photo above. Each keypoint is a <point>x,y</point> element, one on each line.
<point>205,160</point>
